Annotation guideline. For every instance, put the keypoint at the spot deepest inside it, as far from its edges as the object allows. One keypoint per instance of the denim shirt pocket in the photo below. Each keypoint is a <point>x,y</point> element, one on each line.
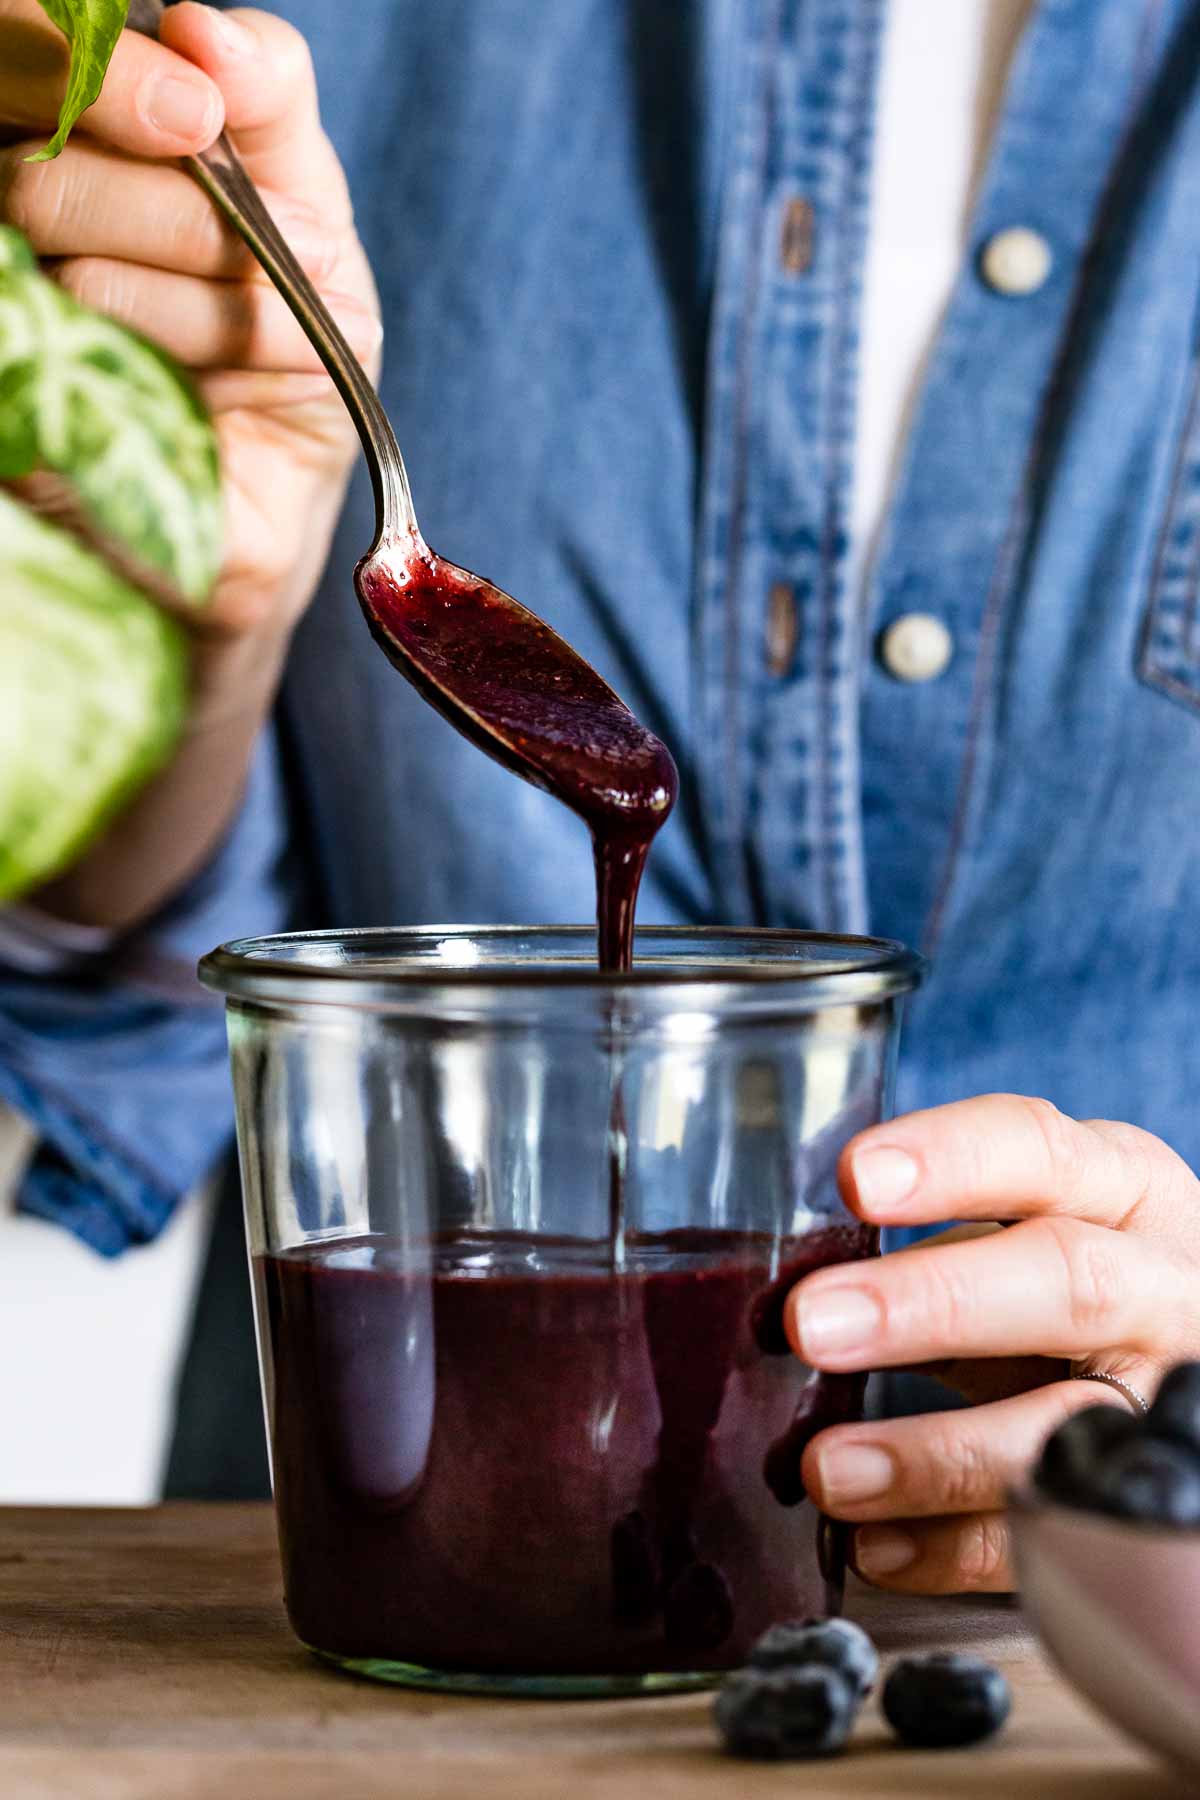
<point>1169,653</point>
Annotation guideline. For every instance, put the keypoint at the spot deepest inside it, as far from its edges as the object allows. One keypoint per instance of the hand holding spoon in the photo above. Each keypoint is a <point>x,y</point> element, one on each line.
<point>496,671</point>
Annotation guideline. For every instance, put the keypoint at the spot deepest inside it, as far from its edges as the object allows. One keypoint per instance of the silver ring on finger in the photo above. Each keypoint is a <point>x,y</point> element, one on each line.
<point>1138,1401</point>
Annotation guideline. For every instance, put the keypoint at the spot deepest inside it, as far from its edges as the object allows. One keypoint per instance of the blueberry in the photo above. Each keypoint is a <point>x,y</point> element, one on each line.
<point>830,1643</point>
<point>1176,1410</point>
<point>773,1714</point>
<point>1152,1480</point>
<point>941,1702</point>
<point>1073,1456</point>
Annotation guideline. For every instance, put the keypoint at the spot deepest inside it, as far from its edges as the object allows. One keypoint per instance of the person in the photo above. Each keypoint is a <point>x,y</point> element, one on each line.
<point>869,477</point>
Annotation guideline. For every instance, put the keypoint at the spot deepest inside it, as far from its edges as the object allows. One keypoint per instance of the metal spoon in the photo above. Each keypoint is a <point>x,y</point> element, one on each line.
<point>221,174</point>
<point>500,674</point>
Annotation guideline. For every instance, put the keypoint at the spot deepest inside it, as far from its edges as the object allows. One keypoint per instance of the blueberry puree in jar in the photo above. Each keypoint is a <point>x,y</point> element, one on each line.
<point>525,1460</point>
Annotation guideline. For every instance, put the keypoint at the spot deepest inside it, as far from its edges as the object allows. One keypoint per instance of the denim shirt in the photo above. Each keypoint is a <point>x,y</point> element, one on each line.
<point>620,250</point>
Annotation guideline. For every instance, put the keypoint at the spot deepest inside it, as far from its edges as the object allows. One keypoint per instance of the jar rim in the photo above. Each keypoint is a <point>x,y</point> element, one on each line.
<point>375,965</point>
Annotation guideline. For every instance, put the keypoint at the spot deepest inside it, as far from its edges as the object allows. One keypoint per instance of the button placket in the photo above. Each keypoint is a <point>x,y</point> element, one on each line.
<point>954,539</point>
<point>779,667</point>
<point>804,814</point>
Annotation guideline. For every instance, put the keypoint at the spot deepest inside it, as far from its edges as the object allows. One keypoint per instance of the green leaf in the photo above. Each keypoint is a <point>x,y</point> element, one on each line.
<point>15,253</point>
<point>93,675</point>
<point>93,694</point>
<point>112,414</point>
<point>92,28</point>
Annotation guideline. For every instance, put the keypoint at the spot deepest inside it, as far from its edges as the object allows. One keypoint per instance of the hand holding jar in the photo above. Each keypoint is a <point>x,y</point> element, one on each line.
<point>1099,1275</point>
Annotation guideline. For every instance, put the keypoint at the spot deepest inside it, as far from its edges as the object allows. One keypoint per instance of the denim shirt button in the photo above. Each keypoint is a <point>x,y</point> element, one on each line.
<point>796,237</point>
<point>1016,261</point>
<point>916,647</point>
<point>783,629</point>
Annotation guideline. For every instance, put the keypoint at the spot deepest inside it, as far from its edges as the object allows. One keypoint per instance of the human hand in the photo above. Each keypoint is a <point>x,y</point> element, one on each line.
<point>120,224</point>
<point>128,232</point>
<point>1102,1272</point>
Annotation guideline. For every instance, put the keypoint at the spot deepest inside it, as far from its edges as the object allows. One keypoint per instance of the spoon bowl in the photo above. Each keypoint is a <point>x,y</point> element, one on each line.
<point>518,691</point>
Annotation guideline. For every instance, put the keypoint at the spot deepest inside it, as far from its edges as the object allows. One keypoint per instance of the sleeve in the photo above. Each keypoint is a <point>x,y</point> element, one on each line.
<point>116,1054</point>
<point>35,943</point>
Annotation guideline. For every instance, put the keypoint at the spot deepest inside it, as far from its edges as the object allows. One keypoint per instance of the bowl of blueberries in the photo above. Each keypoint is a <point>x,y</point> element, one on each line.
<point>1107,1546</point>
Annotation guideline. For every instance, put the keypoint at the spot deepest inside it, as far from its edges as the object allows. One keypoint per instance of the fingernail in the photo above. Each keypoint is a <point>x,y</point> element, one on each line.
<point>182,109</point>
<point>884,1177</point>
<point>852,1472</point>
<point>882,1550</point>
<point>238,39</point>
<point>837,1321</point>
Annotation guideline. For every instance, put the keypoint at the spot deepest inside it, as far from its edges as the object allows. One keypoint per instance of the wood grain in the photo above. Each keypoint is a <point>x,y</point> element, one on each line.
<point>145,1656</point>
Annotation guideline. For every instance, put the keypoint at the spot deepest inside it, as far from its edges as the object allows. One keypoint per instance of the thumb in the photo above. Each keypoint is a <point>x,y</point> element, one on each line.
<point>263,68</point>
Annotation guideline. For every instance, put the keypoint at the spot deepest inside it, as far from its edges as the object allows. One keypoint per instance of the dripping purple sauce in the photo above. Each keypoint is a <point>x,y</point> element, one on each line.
<point>517,690</point>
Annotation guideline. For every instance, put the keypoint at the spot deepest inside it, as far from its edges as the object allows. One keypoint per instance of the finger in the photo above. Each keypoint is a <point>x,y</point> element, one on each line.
<point>260,575</point>
<point>263,68</point>
<point>945,1556</point>
<point>1048,1287</point>
<point>262,391</point>
<point>964,1461</point>
<point>153,102</point>
<point>95,201</point>
<point>1003,1156</point>
<point>211,324</point>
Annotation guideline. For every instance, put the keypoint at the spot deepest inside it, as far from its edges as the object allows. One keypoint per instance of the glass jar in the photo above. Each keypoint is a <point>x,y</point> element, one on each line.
<point>520,1235</point>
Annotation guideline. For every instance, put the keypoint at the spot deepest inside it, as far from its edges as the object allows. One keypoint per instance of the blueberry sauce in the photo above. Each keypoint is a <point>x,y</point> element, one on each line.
<point>518,691</point>
<point>521,1460</point>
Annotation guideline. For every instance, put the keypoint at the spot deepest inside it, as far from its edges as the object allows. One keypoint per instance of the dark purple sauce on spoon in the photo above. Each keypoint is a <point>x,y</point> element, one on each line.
<point>516,689</point>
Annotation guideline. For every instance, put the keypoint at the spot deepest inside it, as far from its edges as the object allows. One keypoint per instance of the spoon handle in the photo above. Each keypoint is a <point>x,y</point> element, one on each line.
<point>220,173</point>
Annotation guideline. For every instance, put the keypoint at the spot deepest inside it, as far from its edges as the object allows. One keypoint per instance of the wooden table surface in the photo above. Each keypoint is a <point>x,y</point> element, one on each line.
<point>146,1654</point>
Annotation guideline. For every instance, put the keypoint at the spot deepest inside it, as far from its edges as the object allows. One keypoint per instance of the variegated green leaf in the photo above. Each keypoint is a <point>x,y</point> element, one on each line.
<point>15,253</point>
<point>92,28</point>
<point>93,691</point>
<point>100,406</point>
